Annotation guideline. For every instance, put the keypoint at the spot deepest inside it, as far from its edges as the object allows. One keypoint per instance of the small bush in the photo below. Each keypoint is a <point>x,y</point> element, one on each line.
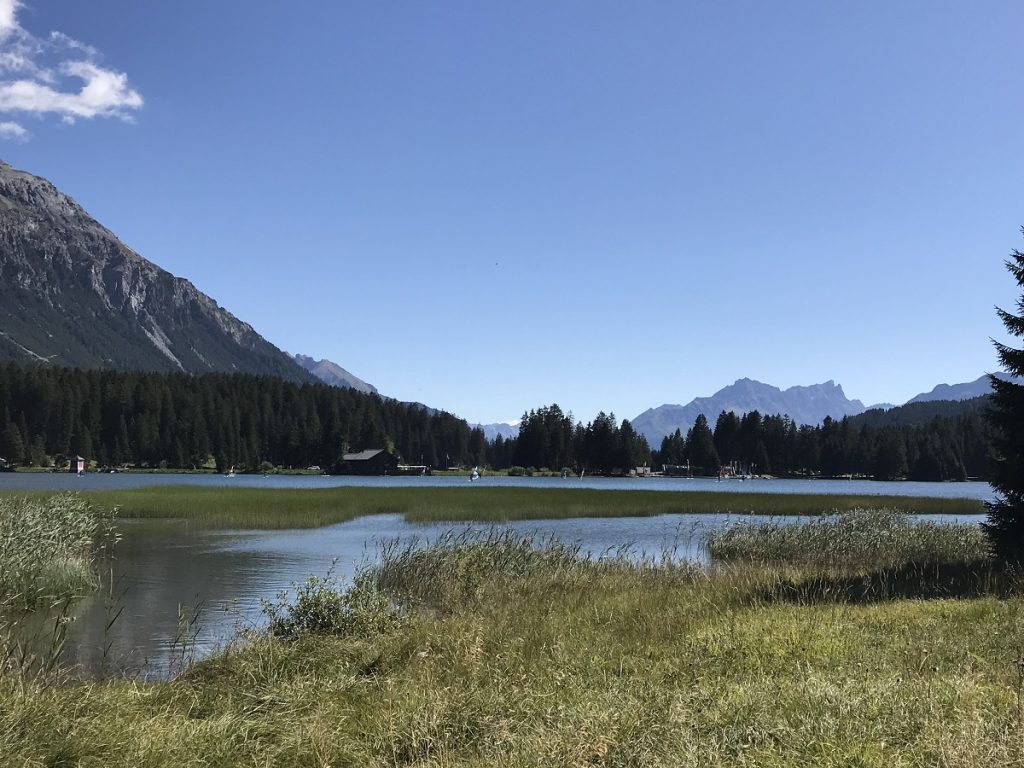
<point>322,607</point>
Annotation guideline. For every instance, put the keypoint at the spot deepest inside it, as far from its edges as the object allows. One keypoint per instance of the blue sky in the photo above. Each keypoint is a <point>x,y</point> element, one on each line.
<point>606,205</point>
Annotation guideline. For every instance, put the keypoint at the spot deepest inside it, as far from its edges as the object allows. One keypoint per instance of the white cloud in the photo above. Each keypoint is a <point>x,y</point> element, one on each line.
<point>59,38</point>
<point>10,130</point>
<point>103,93</point>
<point>8,17</point>
<point>57,76</point>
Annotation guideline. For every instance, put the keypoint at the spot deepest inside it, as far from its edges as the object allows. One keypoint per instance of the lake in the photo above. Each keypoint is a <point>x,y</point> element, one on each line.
<point>163,570</point>
<point>44,481</point>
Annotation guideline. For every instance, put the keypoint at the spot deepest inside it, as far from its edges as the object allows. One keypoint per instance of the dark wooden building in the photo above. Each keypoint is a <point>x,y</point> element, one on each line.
<point>372,462</point>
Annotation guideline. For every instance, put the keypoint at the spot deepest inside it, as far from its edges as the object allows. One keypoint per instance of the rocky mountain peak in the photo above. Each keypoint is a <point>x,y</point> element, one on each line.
<point>72,294</point>
<point>804,404</point>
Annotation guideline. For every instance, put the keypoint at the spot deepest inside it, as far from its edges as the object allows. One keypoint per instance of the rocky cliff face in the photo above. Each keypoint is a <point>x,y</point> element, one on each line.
<point>72,294</point>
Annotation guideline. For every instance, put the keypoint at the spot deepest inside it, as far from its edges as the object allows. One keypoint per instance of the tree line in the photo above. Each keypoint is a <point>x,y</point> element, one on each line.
<point>227,420</point>
<point>945,448</point>
<point>248,422</point>
<point>551,439</point>
<point>951,445</point>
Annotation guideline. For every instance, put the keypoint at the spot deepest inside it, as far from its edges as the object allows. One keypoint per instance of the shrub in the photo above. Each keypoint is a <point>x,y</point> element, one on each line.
<point>322,607</point>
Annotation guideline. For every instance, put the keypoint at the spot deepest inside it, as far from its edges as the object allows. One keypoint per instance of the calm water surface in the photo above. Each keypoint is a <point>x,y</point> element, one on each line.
<point>29,481</point>
<point>163,567</point>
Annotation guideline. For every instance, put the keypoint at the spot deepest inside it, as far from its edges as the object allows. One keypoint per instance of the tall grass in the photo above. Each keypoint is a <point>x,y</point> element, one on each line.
<point>307,508</point>
<point>454,568</point>
<point>47,549</point>
<point>857,539</point>
<point>864,556</point>
<point>514,651</point>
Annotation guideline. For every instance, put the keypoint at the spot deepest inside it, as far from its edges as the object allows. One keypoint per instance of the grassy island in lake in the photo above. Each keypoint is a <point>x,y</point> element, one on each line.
<point>243,507</point>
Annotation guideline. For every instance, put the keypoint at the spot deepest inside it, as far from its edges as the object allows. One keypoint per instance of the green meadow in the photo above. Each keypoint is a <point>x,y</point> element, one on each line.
<point>309,508</point>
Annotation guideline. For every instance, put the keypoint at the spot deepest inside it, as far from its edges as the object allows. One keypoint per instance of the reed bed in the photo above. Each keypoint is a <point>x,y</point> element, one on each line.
<point>47,549</point>
<point>454,568</point>
<point>309,508</point>
<point>859,539</point>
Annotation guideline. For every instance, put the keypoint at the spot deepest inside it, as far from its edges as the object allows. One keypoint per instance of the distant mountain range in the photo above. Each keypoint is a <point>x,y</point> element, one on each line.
<point>805,405</point>
<point>334,374</point>
<point>502,428</point>
<point>72,294</point>
<point>972,389</point>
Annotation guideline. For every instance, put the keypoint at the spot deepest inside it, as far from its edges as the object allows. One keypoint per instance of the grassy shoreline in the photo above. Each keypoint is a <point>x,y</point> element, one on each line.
<point>309,508</point>
<point>500,652</point>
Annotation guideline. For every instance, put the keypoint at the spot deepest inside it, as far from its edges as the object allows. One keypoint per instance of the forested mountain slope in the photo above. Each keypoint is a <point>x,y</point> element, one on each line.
<point>917,413</point>
<point>240,420</point>
<point>331,373</point>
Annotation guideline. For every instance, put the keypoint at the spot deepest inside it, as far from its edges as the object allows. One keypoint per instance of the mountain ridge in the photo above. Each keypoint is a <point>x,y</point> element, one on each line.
<point>828,399</point>
<point>965,391</point>
<point>331,373</point>
<point>804,404</point>
<point>499,428</point>
<point>72,294</point>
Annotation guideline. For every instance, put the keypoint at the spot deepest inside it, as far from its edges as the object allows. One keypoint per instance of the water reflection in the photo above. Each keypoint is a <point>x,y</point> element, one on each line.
<point>162,569</point>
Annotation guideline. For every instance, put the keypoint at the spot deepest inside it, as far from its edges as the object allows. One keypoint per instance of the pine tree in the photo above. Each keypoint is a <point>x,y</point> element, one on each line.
<point>12,446</point>
<point>1005,526</point>
<point>700,447</point>
<point>890,456</point>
